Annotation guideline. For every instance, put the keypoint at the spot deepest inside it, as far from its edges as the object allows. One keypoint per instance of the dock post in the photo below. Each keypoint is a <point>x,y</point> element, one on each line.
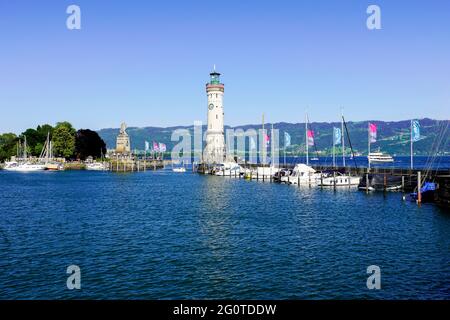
<point>334,180</point>
<point>298,180</point>
<point>321,179</point>
<point>419,185</point>
<point>367,183</point>
<point>403,183</point>
<point>384,182</point>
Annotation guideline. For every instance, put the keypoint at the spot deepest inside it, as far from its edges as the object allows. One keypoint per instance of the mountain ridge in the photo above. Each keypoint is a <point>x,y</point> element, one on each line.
<point>393,136</point>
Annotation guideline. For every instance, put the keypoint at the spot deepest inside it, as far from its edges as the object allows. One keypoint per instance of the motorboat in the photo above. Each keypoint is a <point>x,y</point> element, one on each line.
<point>24,167</point>
<point>379,157</point>
<point>227,169</point>
<point>339,180</point>
<point>180,169</point>
<point>380,182</point>
<point>302,174</point>
<point>97,166</point>
<point>262,173</point>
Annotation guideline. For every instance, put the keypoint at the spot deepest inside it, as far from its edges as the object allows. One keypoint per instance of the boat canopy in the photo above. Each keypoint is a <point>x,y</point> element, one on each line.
<point>301,167</point>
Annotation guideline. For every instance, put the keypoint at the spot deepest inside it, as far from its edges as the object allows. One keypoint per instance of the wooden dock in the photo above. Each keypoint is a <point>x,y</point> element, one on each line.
<point>131,165</point>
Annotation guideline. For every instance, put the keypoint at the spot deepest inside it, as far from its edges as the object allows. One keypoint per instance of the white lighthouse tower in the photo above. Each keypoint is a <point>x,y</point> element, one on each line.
<point>215,138</point>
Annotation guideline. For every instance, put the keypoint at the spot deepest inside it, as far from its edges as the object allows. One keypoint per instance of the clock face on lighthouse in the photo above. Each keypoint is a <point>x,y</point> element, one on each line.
<point>211,106</point>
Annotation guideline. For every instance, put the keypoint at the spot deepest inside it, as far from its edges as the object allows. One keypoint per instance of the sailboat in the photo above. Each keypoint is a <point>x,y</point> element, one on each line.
<point>339,179</point>
<point>303,173</point>
<point>46,156</point>
<point>25,165</point>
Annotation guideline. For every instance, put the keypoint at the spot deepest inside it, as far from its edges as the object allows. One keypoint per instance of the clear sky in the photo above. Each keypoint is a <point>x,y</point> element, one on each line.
<point>147,62</point>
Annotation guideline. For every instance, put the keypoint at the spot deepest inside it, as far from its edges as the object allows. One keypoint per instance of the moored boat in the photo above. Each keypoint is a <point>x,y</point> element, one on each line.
<point>302,174</point>
<point>97,166</point>
<point>227,169</point>
<point>339,180</point>
<point>381,182</point>
<point>24,167</point>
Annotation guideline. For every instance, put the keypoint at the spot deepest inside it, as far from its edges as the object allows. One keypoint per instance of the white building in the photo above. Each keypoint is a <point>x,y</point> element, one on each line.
<point>215,151</point>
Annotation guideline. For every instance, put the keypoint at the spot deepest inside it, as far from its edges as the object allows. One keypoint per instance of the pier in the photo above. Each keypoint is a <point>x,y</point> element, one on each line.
<point>407,180</point>
<point>132,165</point>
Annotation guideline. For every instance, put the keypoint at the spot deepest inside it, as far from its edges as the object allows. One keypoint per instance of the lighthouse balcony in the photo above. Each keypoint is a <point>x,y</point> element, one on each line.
<point>215,87</point>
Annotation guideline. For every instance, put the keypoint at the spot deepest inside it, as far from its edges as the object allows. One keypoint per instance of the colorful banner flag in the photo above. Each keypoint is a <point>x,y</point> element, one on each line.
<point>337,136</point>
<point>147,146</point>
<point>162,147</point>
<point>287,139</point>
<point>155,146</point>
<point>372,132</point>
<point>310,138</point>
<point>252,144</point>
<point>415,131</point>
<point>267,139</point>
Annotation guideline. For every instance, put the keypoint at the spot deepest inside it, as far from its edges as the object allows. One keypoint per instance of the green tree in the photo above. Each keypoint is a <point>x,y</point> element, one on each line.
<point>8,146</point>
<point>64,140</point>
<point>88,143</point>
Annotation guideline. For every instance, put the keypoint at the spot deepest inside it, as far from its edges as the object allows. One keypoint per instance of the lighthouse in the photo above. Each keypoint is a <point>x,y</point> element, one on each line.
<point>215,139</point>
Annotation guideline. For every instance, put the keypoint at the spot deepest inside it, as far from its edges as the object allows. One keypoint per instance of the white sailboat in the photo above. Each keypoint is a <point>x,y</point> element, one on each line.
<point>25,166</point>
<point>338,179</point>
<point>46,156</point>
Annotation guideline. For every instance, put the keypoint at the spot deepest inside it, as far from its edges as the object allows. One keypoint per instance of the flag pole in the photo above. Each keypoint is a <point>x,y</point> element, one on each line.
<point>411,142</point>
<point>343,137</point>
<point>334,156</point>
<point>271,145</point>
<point>306,136</point>
<point>284,149</point>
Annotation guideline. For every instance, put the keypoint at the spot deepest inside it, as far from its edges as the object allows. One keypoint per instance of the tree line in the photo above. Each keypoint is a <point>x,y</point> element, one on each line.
<point>68,143</point>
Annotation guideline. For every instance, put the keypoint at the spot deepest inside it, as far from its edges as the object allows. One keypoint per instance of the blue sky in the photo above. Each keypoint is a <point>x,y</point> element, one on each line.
<point>147,62</point>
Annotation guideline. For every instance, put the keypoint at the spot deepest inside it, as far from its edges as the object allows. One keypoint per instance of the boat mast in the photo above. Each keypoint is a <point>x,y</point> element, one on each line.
<point>25,156</point>
<point>343,137</point>
<point>47,150</point>
<point>306,138</point>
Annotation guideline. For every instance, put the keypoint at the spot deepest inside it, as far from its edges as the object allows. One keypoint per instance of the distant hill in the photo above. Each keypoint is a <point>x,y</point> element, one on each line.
<point>393,136</point>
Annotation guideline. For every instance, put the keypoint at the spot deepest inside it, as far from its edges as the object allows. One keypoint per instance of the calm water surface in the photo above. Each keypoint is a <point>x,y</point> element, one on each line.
<point>160,235</point>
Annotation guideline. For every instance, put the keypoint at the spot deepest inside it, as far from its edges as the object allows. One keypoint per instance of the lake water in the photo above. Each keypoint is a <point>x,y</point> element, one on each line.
<point>160,235</point>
